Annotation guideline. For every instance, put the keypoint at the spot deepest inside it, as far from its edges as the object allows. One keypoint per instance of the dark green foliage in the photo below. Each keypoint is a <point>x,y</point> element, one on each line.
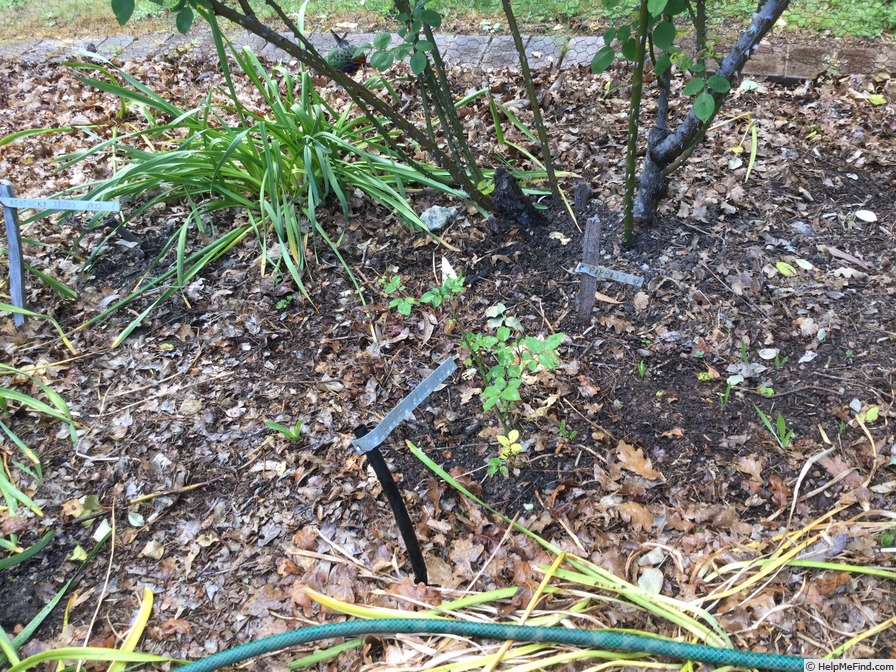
<point>123,9</point>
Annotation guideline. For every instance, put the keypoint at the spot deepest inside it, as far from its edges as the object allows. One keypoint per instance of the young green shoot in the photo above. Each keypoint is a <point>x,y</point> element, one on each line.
<point>779,430</point>
<point>501,358</point>
<point>292,435</point>
<point>731,383</point>
<point>510,447</point>
<point>285,302</point>
<point>566,433</point>
<point>725,396</point>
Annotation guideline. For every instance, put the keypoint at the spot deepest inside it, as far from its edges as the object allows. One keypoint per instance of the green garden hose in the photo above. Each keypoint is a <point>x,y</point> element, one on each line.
<point>584,638</point>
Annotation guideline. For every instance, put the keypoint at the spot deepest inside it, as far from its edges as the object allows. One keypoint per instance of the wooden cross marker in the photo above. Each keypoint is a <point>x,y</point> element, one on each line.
<point>591,272</point>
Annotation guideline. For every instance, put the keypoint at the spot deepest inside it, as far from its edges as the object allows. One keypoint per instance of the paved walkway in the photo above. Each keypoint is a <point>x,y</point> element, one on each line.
<point>776,57</point>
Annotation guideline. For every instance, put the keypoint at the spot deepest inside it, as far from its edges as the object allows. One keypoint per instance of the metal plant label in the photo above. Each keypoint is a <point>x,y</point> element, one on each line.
<point>11,204</point>
<point>59,204</point>
<point>602,273</point>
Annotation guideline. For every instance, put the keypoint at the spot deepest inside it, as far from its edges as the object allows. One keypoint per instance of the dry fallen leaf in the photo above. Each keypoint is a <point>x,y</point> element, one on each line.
<point>606,299</point>
<point>632,459</point>
<point>640,302</point>
<point>638,515</point>
<point>153,549</point>
<point>751,466</point>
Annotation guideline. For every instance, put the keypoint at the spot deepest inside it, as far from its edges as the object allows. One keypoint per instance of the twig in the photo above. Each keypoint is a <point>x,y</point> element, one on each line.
<point>145,498</point>
<point>726,286</point>
<point>106,580</point>
<point>589,421</point>
<point>494,553</point>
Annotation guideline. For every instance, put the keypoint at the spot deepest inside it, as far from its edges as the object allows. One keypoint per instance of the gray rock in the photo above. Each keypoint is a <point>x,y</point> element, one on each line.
<point>803,228</point>
<point>438,217</point>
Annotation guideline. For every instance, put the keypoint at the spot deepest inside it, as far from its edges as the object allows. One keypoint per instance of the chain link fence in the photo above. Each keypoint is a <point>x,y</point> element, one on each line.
<point>831,35</point>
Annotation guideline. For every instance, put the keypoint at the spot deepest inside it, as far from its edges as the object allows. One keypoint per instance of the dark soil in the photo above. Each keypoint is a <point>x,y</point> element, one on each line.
<point>184,400</point>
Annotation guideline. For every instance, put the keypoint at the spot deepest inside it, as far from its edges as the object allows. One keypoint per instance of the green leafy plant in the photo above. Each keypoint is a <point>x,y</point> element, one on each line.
<point>501,358</point>
<point>566,433</point>
<point>434,297</point>
<point>780,361</point>
<point>293,435</point>
<point>509,449</point>
<point>642,369</point>
<point>779,430</point>
<point>414,18</point>
<point>497,317</point>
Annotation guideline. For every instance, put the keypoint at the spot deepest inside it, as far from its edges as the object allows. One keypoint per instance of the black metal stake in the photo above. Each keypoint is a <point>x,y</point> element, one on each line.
<point>399,510</point>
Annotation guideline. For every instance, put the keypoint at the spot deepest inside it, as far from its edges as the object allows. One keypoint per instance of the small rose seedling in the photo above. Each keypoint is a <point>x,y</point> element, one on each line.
<point>509,448</point>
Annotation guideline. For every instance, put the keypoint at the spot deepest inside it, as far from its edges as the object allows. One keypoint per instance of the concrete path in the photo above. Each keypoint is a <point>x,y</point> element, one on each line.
<point>776,57</point>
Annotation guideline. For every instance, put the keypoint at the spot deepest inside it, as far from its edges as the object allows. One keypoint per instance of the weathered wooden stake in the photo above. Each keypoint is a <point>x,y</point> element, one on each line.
<point>14,253</point>
<point>590,253</point>
<point>582,193</point>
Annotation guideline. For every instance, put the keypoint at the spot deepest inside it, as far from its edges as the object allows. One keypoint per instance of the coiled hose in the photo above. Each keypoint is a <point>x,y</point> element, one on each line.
<point>596,639</point>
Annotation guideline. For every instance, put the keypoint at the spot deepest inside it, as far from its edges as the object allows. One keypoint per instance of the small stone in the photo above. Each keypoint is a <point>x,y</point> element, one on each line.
<point>190,406</point>
<point>804,229</point>
<point>438,217</point>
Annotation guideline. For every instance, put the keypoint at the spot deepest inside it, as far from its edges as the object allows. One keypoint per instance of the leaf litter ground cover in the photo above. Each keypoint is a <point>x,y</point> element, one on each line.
<point>664,473</point>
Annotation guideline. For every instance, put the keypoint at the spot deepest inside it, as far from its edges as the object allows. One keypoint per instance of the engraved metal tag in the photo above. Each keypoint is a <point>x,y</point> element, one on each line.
<point>405,407</point>
<point>602,273</point>
<point>60,204</point>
